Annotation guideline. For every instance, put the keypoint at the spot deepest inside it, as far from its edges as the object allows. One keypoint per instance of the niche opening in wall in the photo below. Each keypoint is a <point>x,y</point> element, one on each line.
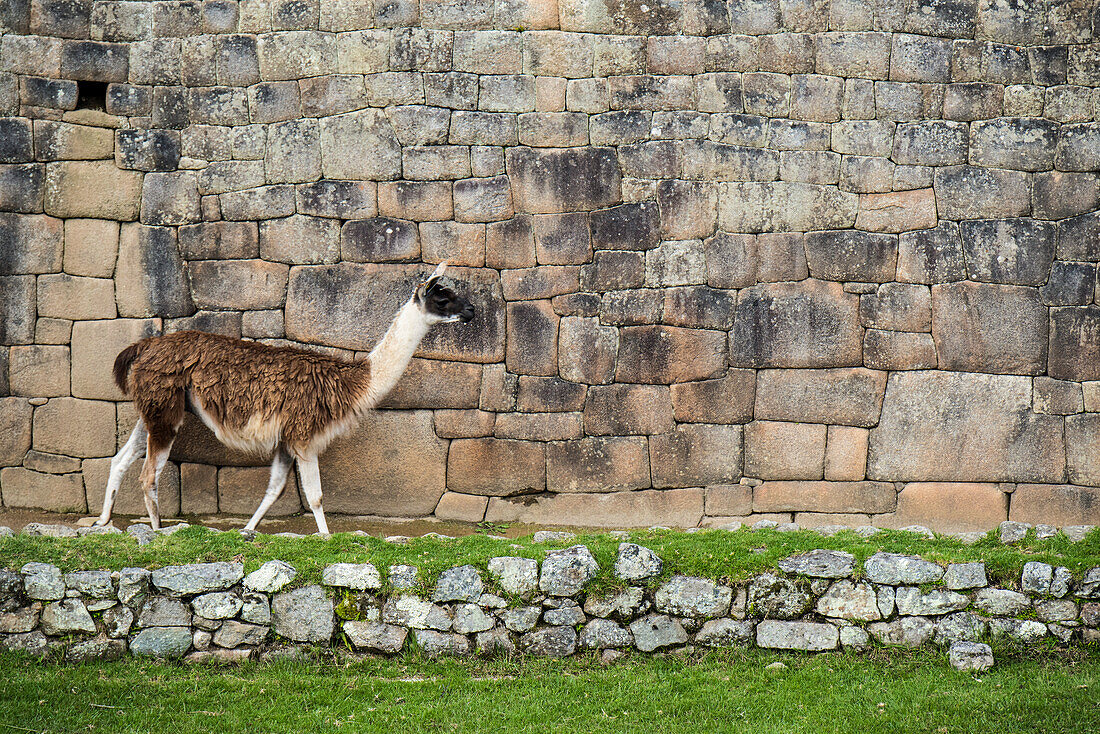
<point>91,96</point>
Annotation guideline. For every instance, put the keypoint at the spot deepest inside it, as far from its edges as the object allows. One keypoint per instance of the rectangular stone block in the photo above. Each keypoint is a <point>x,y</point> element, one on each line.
<point>15,436</point>
<point>241,488</point>
<point>682,508</point>
<point>846,454</point>
<point>696,454</point>
<point>628,409</point>
<point>969,192</point>
<point>551,181</point>
<point>74,427</point>
<point>666,354</point>
<point>95,344</point>
<point>30,244</point>
<point>806,324</point>
<point>948,507</point>
<point>924,436</point>
<point>238,284</point>
<point>149,277</point>
<point>784,451</point>
<point>92,189</point>
<point>838,396</point>
<point>896,350</point>
<point>419,201</point>
<point>899,211</point>
<point>539,426</point>
<point>834,497</point>
<point>38,371</point>
<point>1054,504</point>
<point>725,400</point>
<point>994,328</point>
<point>783,206</point>
<point>57,493</point>
<point>496,467</point>
<point>74,297</point>
<point>18,309</point>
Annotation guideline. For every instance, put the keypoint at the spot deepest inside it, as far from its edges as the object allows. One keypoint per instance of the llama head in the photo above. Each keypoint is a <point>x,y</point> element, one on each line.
<point>439,303</point>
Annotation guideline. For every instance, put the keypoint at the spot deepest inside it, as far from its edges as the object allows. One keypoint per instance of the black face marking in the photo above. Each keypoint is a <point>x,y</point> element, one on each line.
<point>441,301</point>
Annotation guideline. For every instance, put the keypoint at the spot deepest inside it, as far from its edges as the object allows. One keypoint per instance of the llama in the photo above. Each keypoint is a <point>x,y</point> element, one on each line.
<point>262,399</point>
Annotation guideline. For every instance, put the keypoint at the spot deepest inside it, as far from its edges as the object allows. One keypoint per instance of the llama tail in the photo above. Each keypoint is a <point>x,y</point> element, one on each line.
<point>122,364</point>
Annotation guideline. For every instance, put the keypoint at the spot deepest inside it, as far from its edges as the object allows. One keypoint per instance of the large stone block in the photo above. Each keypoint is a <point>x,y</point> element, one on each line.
<point>65,296</point>
<point>724,400</point>
<point>293,152</point>
<point>300,240</point>
<point>15,430</point>
<point>1078,147</point>
<point>328,304</point>
<point>696,454</point>
<point>532,341</point>
<point>296,54</point>
<point>21,487</point>
<point>682,508</point>
<point>1075,343</point>
<point>18,309</point>
<point>587,351</point>
<point>1014,251</point>
<point>238,284</point>
<point>92,189</point>
<point>931,255</point>
<point>1081,444</point>
<point>611,464</point>
<point>898,307</point>
<point>850,397</point>
<point>785,451</point>
<point>969,192</point>
<point>1055,504</point>
<point>948,507</point>
<point>170,198</point>
<point>496,467</point>
<point>360,146</point>
<point>898,211</point>
<point>379,239</point>
<point>980,327</point>
<point>668,354</point>
<point>847,255</point>
<point>807,324</point>
<point>565,180</point>
<point>963,427</point>
<point>22,187</point>
<point>74,427</point>
<point>1059,194</point>
<point>213,241</point>
<point>627,409</point>
<point>835,497</point>
<point>1019,143</point>
<point>931,143</point>
<point>30,244</point>
<point>149,277</point>
<point>95,344</point>
<point>392,464</point>
<point>783,206</point>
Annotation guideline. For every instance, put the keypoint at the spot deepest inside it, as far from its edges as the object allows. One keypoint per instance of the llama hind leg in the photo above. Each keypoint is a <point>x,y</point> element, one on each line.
<point>155,459</point>
<point>311,486</point>
<point>131,451</point>
<point>280,469</point>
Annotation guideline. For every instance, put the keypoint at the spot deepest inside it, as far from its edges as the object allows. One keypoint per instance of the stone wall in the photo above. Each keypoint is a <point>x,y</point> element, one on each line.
<point>815,601</point>
<point>813,260</point>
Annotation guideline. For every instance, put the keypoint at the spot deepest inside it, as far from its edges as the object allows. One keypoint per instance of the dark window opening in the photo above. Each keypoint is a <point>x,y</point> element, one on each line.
<point>91,96</point>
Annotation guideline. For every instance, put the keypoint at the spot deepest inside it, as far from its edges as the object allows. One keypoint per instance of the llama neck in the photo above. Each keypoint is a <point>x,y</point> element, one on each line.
<point>391,356</point>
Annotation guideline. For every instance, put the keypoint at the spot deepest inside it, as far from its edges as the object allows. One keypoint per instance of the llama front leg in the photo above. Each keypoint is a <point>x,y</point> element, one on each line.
<point>310,474</point>
<point>132,450</point>
<point>280,468</point>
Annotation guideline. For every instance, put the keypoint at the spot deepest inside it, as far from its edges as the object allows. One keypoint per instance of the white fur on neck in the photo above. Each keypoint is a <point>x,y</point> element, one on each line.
<point>391,356</point>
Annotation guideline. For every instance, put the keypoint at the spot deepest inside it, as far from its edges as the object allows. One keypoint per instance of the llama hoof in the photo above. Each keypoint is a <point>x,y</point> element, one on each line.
<point>323,536</point>
<point>247,534</point>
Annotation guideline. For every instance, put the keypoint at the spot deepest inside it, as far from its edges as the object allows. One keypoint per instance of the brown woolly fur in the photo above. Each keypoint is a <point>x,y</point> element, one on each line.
<point>242,386</point>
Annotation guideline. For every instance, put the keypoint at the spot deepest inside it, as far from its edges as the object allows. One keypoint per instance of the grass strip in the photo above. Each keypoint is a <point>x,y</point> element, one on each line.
<point>884,691</point>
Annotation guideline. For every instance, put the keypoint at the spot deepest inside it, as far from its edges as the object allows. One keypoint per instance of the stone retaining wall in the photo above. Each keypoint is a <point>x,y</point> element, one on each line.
<point>815,601</point>
<point>812,260</point>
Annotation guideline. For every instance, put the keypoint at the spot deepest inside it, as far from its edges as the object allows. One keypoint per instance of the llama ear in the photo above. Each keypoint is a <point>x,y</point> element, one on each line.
<point>435,276</point>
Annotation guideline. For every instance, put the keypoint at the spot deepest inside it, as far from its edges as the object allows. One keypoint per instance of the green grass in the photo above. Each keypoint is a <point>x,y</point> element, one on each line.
<point>717,554</point>
<point>727,691</point>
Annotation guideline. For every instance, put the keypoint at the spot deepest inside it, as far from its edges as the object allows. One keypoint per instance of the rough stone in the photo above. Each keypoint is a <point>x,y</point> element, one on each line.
<point>303,615</point>
<point>656,631</point>
<point>774,597</point>
<point>375,636</point>
<point>809,636</point>
<point>161,642</point>
<point>518,576</point>
<point>848,600</point>
<point>565,572</point>
<point>635,563</point>
<point>895,569</point>
<point>358,576</point>
<point>462,583</point>
<point>553,642</point>
<point>197,578</point>
<point>820,564</point>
